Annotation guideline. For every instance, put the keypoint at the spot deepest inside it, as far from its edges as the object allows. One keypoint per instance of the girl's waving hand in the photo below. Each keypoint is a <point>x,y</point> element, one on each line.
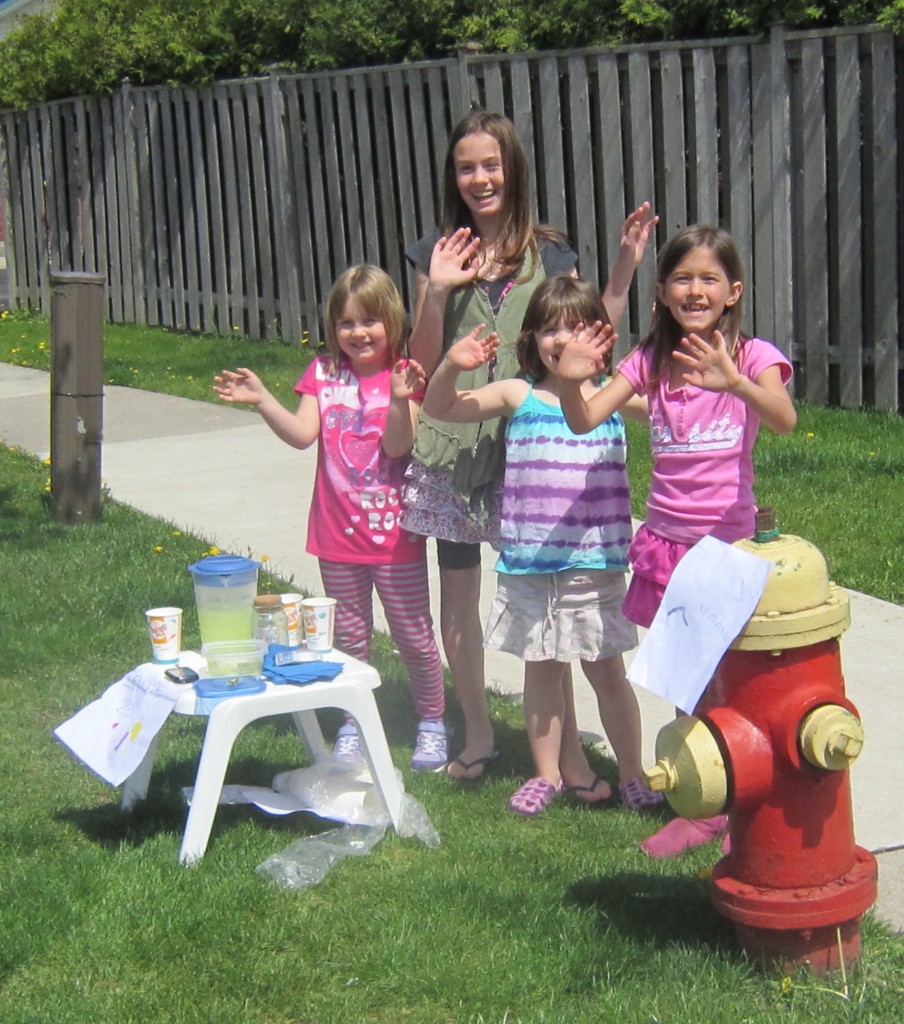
<point>454,260</point>
<point>472,350</point>
<point>587,352</point>
<point>407,379</point>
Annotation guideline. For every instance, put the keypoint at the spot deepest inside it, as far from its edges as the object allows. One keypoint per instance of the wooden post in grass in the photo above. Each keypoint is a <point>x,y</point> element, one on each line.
<point>76,395</point>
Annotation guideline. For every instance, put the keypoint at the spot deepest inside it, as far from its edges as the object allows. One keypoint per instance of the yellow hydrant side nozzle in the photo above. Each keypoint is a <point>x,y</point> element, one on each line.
<point>689,769</point>
<point>661,777</point>
<point>831,737</point>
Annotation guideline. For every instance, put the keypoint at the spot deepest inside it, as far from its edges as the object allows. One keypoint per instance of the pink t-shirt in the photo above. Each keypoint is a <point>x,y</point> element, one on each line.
<point>702,443</point>
<point>357,491</point>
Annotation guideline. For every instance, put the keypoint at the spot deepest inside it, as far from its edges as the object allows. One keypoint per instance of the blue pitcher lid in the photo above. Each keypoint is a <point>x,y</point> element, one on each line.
<point>223,565</point>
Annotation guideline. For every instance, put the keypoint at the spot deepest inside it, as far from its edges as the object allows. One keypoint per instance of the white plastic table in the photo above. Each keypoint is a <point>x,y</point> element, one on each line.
<point>351,691</point>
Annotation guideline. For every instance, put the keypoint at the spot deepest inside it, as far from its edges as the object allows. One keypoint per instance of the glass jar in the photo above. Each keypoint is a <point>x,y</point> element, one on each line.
<point>268,620</point>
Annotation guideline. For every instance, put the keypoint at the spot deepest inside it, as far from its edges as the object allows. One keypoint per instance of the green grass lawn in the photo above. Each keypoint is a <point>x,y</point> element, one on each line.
<point>560,919</point>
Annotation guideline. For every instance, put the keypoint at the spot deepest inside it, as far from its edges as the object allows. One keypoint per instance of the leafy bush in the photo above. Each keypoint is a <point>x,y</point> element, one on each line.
<point>87,47</point>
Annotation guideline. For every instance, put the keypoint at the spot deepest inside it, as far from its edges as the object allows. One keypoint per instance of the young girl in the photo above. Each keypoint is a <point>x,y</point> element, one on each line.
<point>481,268</point>
<point>566,525</point>
<point>709,386</point>
<point>354,405</point>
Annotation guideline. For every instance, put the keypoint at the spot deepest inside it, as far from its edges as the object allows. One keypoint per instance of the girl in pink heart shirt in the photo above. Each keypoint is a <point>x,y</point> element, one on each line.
<point>359,406</point>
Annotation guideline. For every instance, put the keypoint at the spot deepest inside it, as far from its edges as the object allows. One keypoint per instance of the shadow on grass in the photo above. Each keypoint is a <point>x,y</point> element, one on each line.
<point>164,810</point>
<point>655,911</point>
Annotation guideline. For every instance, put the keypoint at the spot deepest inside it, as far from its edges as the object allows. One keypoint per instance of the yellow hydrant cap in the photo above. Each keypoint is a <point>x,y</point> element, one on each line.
<point>690,769</point>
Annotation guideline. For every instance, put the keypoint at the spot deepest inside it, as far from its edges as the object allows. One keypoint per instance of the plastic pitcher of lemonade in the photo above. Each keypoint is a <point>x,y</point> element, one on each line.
<point>225,588</point>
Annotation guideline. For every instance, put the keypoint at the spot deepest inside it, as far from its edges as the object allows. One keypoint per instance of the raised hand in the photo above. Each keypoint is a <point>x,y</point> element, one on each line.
<point>709,365</point>
<point>636,233</point>
<point>586,353</point>
<point>241,385</point>
<point>407,379</point>
<point>454,261</point>
<point>473,351</point>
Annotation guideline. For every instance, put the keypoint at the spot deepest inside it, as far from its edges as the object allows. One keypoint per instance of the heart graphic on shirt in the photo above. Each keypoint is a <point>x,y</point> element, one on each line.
<point>360,451</point>
<point>378,538</point>
<point>348,531</point>
<point>355,519</point>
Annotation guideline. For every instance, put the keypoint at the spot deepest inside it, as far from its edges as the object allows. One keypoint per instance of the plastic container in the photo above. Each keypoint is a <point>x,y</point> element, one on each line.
<point>268,620</point>
<point>225,587</point>
<point>234,657</point>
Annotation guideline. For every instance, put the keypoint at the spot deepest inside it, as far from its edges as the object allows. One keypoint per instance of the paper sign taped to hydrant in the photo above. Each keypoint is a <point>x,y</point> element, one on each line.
<point>711,595</point>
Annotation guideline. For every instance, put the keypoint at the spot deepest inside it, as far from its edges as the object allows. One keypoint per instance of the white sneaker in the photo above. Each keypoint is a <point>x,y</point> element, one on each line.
<point>348,743</point>
<point>431,751</point>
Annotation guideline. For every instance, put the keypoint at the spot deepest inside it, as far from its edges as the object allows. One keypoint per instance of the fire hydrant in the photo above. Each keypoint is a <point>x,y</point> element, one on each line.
<point>771,743</point>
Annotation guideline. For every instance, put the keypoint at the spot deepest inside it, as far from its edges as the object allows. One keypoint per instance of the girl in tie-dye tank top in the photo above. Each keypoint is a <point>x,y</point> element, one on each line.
<point>566,527</point>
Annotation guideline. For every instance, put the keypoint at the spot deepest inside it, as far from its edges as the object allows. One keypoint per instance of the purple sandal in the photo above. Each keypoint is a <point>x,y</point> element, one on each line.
<point>534,796</point>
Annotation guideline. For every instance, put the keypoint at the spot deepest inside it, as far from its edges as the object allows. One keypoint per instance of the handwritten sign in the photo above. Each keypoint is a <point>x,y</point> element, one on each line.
<point>711,595</point>
<point>112,734</point>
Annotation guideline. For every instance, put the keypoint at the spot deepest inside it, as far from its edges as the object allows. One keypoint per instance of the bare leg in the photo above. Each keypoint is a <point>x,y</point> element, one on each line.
<point>619,713</point>
<point>545,711</point>
<point>575,767</point>
<point>462,635</point>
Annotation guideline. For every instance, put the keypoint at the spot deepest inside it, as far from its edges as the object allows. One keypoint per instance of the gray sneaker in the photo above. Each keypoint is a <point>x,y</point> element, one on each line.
<point>348,743</point>
<point>431,751</point>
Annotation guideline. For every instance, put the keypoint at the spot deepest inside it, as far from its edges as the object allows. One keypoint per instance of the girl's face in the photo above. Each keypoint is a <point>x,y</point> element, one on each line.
<point>697,292</point>
<point>550,340</point>
<point>480,177</point>
<point>362,338</point>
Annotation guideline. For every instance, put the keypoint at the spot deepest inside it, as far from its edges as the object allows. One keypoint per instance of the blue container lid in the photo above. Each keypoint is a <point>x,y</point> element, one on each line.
<point>224,570</point>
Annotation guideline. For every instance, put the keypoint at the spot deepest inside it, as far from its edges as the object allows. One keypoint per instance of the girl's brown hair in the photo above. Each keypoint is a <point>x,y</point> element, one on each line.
<point>372,292</point>
<point>666,333</point>
<point>559,298</point>
<point>516,233</point>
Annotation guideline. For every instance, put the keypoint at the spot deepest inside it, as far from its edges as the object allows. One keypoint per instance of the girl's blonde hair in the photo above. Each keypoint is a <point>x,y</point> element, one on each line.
<point>666,333</point>
<point>559,298</point>
<point>516,233</point>
<point>372,292</point>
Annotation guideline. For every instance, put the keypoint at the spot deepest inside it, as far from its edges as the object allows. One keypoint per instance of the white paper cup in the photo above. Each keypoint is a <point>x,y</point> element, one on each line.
<point>319,617</point>
<point>165,632</point>
<point>292,607</point>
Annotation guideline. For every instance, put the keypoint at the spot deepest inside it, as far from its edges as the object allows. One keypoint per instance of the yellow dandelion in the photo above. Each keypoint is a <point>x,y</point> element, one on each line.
<point>158,548</point>
<point>4,315</point>
<point>213,550</point>
<point>235,327</point>
<point>785,985</point>
<point>176,533</point>
<point>42,345</point>
<point>45,462</point>
<point>810,433</point>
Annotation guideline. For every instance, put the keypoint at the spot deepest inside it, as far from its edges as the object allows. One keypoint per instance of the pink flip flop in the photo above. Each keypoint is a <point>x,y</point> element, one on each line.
<point>534,796</point>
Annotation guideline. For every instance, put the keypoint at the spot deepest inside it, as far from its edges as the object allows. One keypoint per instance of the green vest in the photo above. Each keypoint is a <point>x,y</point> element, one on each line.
<point>475,452</point>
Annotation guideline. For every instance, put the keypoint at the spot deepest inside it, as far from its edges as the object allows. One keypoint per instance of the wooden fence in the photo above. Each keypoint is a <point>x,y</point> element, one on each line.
<point>234,206</point>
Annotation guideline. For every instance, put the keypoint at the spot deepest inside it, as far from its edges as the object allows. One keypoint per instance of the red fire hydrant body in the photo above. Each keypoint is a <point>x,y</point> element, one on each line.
<point>771,743</point>
<point>795,884</point>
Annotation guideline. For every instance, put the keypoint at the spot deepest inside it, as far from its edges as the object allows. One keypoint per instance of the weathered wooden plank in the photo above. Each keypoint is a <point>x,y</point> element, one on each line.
<point>640,164</point>
<point>348,150</point>
<point>737,161</point>
<point>812,233</point>
<point>847,256</point>
<point>404,174</point>
<point>580,182</point>
<point>522,118</point>
<point>219,252</point>
<point>883,259</point>
<point>285,216</point>
<point>421,185</point>
<point>188,231</point>
<point>298,167</point>
<point>388,199</point>
<point>145,143</point>
<point>173,285</point>
<point>264,278</point>
<point>319,225</point>
<point>706,142</point>
<point>119,105</point>
<point>550,162</point>
<point>780,179</point>
<point>371,240</point>
<point>247,255</point>
<point>332,177</point>
<point>233,283</point>
<point>493,92</point>
<point>761,281</point>
<point>135,308</point>
<point>672,207</point>
<point>201,299</point>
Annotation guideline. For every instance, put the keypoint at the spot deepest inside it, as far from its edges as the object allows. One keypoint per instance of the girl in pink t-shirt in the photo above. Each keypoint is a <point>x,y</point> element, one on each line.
<point>709,387</point>
<point>357,405</point>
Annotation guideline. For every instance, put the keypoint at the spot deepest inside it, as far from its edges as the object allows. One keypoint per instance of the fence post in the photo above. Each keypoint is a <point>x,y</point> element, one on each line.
<point>76,395</point>
<point>783,269</point>
<point>469,95</point>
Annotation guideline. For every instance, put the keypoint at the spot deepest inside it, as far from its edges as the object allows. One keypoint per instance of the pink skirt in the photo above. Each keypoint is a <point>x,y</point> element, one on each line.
<point>653,559</point>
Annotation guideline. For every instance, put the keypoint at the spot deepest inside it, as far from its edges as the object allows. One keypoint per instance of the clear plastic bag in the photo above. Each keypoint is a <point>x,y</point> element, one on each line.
<point>341,790</point>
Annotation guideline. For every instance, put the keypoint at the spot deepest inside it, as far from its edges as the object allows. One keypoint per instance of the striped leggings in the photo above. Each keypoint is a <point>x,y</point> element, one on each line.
<point>403,592</point>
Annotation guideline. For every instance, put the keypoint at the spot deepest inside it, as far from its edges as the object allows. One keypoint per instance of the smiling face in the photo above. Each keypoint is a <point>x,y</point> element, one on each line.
<point>550,339</point>
<point>480,177</point>
<point>697,292</point>
<point>362,337</point>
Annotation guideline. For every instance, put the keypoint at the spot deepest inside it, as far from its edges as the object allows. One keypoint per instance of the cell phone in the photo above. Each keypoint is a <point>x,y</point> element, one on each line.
<point>181,674</point>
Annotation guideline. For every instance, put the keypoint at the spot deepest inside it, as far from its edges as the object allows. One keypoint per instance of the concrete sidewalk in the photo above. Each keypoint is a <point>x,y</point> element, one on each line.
<point>219,472</point>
